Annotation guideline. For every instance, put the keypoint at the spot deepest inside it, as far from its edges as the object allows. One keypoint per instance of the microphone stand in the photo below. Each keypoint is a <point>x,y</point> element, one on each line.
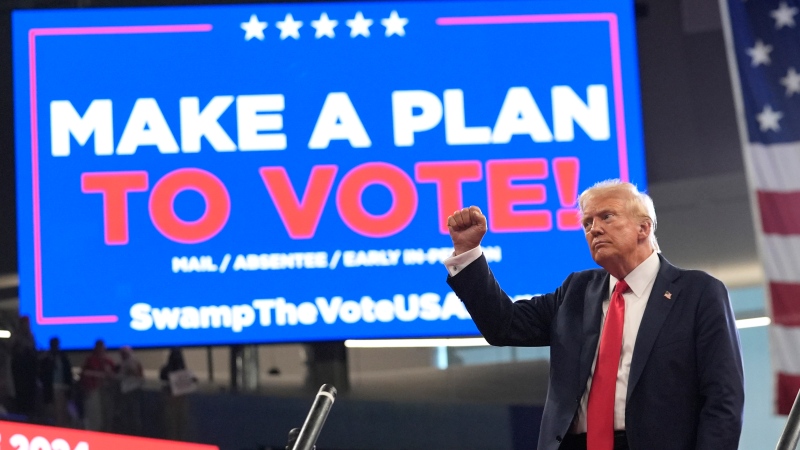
<point>304,438</point>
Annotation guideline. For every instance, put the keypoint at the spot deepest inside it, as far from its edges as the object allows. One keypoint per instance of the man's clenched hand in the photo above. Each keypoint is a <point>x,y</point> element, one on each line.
<point>467,227</point>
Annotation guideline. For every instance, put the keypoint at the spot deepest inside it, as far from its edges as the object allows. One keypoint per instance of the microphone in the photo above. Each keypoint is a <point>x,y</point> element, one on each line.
<point>316,418</point>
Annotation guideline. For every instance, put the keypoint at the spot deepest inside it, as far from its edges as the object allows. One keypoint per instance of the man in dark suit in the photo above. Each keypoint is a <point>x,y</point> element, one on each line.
<point>643,355</point>
<point>55,374</point>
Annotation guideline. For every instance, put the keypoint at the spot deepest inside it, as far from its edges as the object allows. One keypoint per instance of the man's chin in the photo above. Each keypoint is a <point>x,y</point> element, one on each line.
<point>600,257</point>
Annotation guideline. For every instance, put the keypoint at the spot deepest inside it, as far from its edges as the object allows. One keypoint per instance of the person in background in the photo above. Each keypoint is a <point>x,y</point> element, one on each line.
<point>177,382</point>
<point>6,380</point>
<point>97,370</point>
<point>55,374</point>
<point>24,362</point>
<point>131,380</point>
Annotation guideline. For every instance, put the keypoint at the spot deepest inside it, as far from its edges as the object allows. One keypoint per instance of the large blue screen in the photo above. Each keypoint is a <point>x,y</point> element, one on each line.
<point>282,173</point>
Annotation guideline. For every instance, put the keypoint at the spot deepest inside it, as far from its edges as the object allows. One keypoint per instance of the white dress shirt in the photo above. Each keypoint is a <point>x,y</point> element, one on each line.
<point>640,281</point>
<point>455,263</point>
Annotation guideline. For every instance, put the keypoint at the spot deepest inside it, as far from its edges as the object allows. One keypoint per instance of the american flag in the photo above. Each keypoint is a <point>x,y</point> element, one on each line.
<point>763,39</point>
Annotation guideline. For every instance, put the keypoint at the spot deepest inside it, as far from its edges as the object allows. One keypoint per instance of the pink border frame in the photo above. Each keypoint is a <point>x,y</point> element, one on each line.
<point>193,28</point>
<point>616,63</point>
<point>33,33</point>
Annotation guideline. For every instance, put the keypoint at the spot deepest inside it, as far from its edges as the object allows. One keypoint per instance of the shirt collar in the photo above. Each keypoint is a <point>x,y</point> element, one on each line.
<point>640,277</point>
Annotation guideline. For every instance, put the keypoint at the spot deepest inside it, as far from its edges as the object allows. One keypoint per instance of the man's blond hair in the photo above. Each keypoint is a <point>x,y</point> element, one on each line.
<point>639,204</point>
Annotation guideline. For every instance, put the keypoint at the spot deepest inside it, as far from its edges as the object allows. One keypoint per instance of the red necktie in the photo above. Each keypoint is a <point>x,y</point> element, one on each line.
<point>600,408</point>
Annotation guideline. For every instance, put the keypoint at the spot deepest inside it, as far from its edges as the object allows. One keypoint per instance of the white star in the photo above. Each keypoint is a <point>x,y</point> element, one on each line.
<point>784,16</point>
<point>254,29</point>
<point>760,53</point>
<point>359,25</point>
<point>768,119</point>
<point>324,26</point>
<point>395,24</point>
<point>289,27</point>
<point>792,82</point>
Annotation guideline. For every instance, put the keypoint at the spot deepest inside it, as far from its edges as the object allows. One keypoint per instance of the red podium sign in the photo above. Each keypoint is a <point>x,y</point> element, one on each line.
<point>23,436</point>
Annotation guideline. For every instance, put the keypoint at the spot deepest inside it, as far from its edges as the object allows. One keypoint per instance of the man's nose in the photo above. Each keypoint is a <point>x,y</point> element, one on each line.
<point>595,228</point>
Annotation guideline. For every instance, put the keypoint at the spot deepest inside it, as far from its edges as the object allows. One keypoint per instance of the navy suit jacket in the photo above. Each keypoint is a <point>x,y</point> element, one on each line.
<point>686,382</point>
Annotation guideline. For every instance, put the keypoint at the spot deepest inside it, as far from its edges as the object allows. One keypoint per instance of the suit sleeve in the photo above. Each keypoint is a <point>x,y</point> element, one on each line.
<point>720,371</point>
<point>500,320</point>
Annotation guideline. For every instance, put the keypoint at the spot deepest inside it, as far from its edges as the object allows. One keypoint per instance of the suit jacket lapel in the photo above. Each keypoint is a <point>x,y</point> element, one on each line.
<point>596,293</point>
<point>655,313</point>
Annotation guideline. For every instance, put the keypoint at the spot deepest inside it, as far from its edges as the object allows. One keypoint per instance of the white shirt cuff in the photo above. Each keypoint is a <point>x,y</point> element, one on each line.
<point>455,263</point>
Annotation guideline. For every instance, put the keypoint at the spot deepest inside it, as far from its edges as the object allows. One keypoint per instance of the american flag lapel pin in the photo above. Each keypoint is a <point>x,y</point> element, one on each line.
<point>668,294</point>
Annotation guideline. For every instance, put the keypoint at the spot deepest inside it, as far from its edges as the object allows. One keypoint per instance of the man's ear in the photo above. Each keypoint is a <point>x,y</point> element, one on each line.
<point>645,228</point>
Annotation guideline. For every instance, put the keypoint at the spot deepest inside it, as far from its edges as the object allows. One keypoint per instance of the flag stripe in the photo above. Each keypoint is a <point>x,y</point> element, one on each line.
<point>787,387</point>
<point>776,166</point>
<point>780,212</point>
<point>785,304</point>
<point>783,349</point>
<point>781,255</point>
